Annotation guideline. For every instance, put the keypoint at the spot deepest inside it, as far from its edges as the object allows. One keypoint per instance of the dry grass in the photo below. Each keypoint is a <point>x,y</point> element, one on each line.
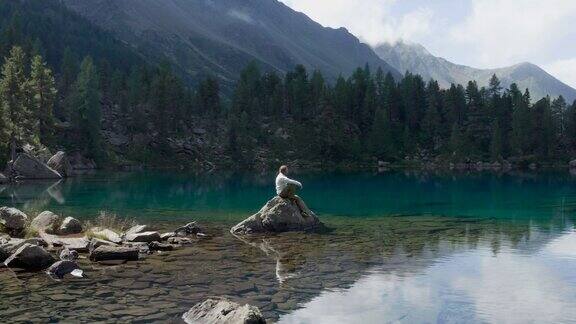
<point>110,221</point>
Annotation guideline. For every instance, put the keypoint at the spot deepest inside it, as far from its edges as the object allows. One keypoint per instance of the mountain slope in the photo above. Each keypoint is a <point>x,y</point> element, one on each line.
<point>416,59</point>
<point>48,28</point>
<point>206,37</point>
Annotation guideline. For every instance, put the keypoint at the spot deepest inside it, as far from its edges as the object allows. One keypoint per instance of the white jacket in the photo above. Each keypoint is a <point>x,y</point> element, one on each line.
<point>282,182</point>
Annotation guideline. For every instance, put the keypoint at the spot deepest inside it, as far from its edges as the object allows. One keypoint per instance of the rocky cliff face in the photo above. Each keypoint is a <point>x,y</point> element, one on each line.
<point>416,59</point>
<point>203,37</point>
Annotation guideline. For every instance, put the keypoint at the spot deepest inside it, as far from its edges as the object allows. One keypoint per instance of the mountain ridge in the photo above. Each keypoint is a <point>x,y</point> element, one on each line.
<point>204,37</point>
<point>415,58</point>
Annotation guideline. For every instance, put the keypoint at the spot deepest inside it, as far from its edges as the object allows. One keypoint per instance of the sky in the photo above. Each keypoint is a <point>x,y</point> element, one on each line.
<point>478,33</point>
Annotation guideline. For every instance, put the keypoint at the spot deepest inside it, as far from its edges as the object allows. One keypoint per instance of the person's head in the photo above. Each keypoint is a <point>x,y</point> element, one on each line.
<point>284,170</point>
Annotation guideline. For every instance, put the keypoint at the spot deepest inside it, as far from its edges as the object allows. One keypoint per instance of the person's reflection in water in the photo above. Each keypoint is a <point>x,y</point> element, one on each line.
<point>288,265</point>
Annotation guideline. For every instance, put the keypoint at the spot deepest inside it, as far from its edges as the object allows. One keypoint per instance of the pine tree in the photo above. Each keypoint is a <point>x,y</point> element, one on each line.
<point>87,114</point>
<point>432,121</point>
<point>43,89</point>
<point>20,124</point>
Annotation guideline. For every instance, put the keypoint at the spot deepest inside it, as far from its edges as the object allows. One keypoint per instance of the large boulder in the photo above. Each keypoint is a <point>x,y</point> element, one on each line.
<point>105,253</point>
<point>278,215</point>
<point>30,257</point>
<point>70,225</point>
<point>146,237</point>
<point>12,219</point>
<point>223,311</point>
<point>28,167</point>
<point>46,221</point>
<point>61,164</point>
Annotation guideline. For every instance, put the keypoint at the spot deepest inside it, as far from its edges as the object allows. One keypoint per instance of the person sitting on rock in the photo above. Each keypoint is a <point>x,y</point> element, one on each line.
<point>286,188</point>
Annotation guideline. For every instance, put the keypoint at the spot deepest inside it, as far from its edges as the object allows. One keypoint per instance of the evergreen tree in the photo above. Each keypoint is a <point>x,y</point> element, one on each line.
<point>87,114</point>
<point>20,125</point>
<point>43,90</point>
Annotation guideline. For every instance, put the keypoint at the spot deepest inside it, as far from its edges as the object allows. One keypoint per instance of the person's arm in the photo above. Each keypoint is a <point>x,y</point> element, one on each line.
<point>294,182</point>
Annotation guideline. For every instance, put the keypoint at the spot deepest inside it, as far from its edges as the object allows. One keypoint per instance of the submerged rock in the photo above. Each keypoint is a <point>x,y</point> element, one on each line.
<point>28,167</point>
<point>180,240</point>
<point>31,257</point>
<point>157,246</point>
<point>278,215</point>
<point>12,219</point>
<point>46,221</point>
<point>103,253</point>
<point>146,237</point>
<point>223,311</point>
<point>70,225</point>
<point>61,164</point>
<point>188,229</point>
<point>62,268</point>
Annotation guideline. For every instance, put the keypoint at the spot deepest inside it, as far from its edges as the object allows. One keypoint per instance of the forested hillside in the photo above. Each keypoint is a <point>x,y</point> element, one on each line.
<point>102,101</point>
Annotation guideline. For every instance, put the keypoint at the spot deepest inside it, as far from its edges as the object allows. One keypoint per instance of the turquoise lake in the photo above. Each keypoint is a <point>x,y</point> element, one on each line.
<point>405,247</point>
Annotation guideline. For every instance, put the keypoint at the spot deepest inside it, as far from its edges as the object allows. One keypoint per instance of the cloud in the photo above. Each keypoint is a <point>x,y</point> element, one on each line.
<point>564,70</point>
<point>371,20</point>
<point>245,17</point>
<point>504,32</point>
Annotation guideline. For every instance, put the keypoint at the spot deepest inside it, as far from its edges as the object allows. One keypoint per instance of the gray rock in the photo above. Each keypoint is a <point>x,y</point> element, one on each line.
<point>95,243</point>
<point>157,246</point>
<point>62,268</point>
<point>28,256</point>
<point>180,240</point>
<point>143,237</point>
<point>3,179</point>
<point>9,246</point>
<point>136,229</point>
<point>188,229</point>
<point>80,244</point>
<point>165,236</point>
<point>107,234</point>
<point>61,164</point>
<point>70,225</point>
<point>278,215</point>
<point>12,219</point>
<point>46,221</point>
<point>572,165</point>
<point>68,255</point>
<point>28,167</point>
<point>142,247</point>
<point>104,253</point>
<point>223,311</point>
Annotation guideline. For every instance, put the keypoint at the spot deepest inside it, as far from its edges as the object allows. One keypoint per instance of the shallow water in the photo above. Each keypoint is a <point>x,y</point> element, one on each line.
<point>410,248</point>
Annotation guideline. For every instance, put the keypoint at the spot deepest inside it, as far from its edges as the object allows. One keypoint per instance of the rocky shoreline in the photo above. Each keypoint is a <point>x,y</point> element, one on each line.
<point>54,244</point>
<point>34,245</point>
